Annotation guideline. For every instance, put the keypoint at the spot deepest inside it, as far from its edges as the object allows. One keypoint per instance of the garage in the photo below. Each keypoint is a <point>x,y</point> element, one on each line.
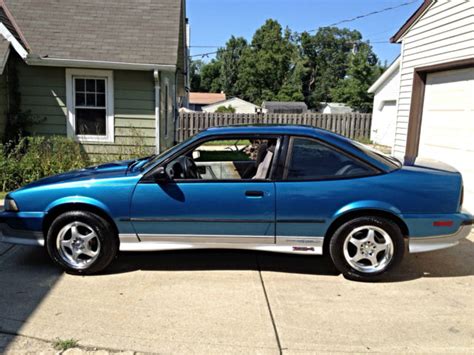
<point>447,123</point>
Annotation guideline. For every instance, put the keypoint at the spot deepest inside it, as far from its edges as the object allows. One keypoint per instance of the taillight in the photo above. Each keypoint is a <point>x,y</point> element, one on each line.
<point>462,196</point>
<point>443,223</point>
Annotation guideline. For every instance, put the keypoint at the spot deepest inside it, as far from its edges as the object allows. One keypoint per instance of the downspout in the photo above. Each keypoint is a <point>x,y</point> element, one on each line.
<point>176,108</point>
<point>156,76</point>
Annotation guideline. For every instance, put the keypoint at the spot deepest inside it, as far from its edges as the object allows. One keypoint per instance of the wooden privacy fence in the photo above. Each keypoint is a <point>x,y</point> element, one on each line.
<point>351,125</point>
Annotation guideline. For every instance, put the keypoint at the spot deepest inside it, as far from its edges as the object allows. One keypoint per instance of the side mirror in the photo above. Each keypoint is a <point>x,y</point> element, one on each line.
<point>196,154</point>
<point>161,175</point>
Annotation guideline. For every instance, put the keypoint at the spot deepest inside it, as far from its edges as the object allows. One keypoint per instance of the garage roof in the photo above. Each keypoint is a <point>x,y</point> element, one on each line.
<point>413,18</point>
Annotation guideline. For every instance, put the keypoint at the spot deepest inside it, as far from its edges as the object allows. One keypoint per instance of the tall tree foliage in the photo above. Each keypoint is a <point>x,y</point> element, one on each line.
<point>334,64</point>
<point>363,70</point>
<point>266,65</point>
<point>211,76</point>
<point>325,57</point>
<point>230,58</point>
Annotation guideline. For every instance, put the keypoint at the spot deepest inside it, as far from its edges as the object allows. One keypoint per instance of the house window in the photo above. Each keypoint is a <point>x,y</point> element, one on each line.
<point>90,105</point>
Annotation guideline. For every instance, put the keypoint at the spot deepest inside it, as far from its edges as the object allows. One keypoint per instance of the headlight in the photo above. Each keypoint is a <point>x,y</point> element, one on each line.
<point>10,205</point>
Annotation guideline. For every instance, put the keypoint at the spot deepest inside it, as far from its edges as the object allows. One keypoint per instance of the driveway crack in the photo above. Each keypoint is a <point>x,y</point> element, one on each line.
<point>7,250</point>
<point>267,300</point>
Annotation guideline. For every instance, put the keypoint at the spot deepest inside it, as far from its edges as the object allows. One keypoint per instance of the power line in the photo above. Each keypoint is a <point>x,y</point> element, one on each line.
<point>407,3</point>
<point>205,46</point>
<point>368,14</point>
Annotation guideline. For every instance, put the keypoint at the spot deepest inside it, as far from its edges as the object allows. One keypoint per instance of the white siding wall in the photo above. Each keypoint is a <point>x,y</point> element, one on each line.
<point>444,33</point>
<point>240,106</point>
<point>383,116</point>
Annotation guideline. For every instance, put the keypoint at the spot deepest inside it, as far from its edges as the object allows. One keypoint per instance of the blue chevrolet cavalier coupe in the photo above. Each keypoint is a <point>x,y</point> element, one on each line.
<point>289,189</point>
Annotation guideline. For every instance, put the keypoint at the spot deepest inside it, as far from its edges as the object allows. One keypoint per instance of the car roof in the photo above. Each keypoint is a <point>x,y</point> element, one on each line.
<point>299,130</point>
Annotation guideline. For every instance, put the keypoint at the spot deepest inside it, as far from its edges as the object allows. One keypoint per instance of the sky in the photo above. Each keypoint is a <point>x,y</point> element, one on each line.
<point>212,22</point>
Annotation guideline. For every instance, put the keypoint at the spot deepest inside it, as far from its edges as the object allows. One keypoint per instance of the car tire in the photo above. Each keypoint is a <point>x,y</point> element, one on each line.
<point>367,248</point>
<point>82,242</point>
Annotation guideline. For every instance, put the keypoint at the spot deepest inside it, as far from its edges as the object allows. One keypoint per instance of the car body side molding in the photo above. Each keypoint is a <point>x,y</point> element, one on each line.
<point>158,242</point>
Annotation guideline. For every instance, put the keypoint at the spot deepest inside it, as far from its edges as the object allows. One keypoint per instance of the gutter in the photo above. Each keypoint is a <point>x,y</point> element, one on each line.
<point>96,64</point>
<point>156,76</point>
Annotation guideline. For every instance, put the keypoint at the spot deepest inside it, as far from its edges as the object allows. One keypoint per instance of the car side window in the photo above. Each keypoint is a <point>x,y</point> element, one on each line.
<point>226,159</point>
<point>310,159</point>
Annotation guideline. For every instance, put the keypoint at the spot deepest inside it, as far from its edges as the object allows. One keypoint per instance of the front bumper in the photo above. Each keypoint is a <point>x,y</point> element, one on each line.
<point>424,244</point>
<point>18,236</point>
<point>22,228</point>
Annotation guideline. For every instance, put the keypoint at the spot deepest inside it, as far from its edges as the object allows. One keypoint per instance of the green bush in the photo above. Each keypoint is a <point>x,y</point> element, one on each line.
<point>33,158</point>
<point>224,109</point>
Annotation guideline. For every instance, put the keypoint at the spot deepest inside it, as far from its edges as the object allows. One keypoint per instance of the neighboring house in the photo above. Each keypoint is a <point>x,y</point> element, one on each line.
<point>102,72</point>
<point>240,106</point>
<point>384,114</point>
<point>435,106</point>
<point>197,100</point>
<point>284,107</point>
<point>334,107</point>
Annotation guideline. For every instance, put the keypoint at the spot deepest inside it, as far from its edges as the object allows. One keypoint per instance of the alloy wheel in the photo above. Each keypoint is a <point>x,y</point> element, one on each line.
<point>368,249</point>
<point>78,245</point>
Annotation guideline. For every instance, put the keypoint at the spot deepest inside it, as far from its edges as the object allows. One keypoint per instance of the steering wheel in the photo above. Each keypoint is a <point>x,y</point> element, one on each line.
<point>183,168</point>
<point>349,170</point>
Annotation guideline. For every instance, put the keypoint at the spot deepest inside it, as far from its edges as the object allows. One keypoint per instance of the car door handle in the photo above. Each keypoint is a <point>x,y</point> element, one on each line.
<point>254,193</point>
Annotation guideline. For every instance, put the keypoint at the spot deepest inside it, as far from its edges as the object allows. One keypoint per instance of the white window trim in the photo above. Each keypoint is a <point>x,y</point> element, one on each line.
<point>109,104</point>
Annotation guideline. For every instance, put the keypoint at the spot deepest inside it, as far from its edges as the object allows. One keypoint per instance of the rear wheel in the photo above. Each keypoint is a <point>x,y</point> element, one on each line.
<point>365,248</point>
<point>81,242</point>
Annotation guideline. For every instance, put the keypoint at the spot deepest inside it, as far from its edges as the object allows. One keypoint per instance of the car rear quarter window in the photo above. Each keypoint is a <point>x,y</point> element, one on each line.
<point>310,159</point>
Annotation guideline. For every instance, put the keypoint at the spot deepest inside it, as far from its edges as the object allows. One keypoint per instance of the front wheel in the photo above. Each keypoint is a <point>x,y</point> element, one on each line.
<point>81,242</point>
<point>367,247</point>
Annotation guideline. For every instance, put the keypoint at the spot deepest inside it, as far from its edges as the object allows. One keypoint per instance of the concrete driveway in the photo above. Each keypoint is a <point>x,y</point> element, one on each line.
<point>216,302</point>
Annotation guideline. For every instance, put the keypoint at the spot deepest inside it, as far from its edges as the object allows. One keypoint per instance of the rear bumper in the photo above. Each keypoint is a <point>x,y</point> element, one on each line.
<point>425,244</point>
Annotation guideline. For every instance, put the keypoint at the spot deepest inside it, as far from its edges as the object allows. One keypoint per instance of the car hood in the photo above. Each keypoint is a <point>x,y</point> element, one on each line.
<point>102,171</point>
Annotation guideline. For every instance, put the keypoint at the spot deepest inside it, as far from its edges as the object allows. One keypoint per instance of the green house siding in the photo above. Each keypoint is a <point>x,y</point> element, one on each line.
<point>43,93</point>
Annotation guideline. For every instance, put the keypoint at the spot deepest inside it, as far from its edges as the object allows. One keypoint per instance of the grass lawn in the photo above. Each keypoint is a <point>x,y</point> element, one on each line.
<point>230,142</point>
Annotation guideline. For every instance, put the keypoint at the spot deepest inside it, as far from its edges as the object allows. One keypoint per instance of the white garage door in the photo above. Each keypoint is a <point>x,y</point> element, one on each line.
<point>447,128</point>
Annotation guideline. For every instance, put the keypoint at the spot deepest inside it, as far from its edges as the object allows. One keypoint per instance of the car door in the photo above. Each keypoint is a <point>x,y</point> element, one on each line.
<point>316,180</point>
<point>218,208</point>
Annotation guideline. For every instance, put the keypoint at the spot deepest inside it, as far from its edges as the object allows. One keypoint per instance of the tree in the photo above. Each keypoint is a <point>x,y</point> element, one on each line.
<point>210,76</point>
<point>266,64</point>
<point>225,109</point>
<point>334,64</point>
<point>195,75</point>
<point>292,89</point>
<point>230,64</point>
<point>362,72</point>
<point>325,57</point>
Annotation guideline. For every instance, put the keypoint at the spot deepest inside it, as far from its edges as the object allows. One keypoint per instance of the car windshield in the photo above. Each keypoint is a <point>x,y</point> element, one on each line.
<point>154,158</point>
<point>389,160</point>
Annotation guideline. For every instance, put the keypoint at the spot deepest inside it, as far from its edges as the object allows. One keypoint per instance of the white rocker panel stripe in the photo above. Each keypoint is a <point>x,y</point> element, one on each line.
<point>286,244</point>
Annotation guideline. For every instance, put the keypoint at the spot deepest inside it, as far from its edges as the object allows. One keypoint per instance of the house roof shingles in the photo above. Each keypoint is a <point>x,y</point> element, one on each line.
<point>205,98</point>
<point>123,31</point>
<point>284,104</point>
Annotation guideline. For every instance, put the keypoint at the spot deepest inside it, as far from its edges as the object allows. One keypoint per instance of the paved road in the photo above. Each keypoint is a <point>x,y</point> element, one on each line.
<point>218,302</point>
